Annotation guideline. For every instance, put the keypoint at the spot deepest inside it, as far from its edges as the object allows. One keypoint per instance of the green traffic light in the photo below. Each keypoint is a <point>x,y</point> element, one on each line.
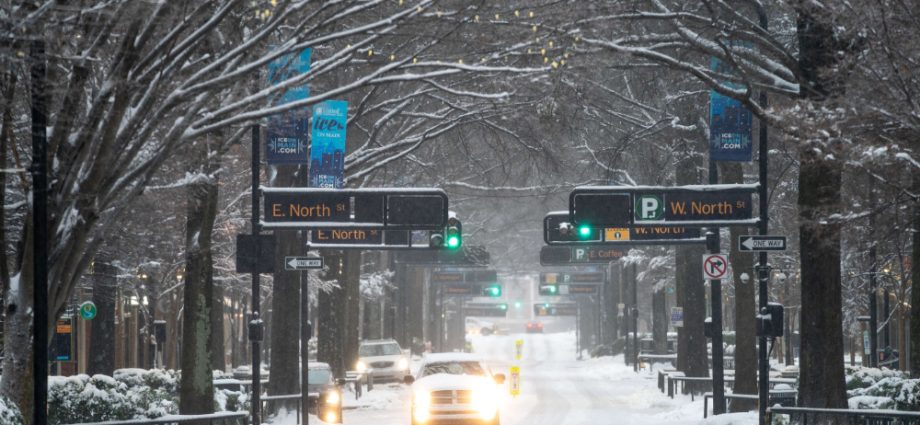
<point>453,241</point>
<point>517,304</point>
<point>503,306</point>
<point>584,231</point>
<point>552,289</point>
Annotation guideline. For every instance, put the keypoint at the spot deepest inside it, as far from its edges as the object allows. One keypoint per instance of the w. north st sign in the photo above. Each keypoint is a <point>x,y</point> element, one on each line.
<point>626,206</point>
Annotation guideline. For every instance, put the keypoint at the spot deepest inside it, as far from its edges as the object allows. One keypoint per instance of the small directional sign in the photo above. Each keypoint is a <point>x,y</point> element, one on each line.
<point>715,266</point>
<point>303,263</point>
<point>762,243</point>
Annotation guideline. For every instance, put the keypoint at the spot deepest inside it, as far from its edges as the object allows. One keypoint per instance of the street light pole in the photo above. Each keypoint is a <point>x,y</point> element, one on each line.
<point>255,323</point>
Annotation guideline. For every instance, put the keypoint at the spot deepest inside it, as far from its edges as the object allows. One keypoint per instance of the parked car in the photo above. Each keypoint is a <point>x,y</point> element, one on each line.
<point>455,388</point>
<point>324,393</point>
<point>383,359</point>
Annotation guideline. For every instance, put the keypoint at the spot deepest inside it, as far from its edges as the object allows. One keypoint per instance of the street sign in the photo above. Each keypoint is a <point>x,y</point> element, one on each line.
<point>677,317</point>
<point>303,263</point>
<point>762,243</point>
<point>255,253</point>
<point>616,234</point>
<point>600,209</point>
<point>365,209</point>
<point>571,255</point>
<point>485,309</point>
<point>697,205</point>
<point>555,309</point>
<point>353,236</point>
<point>715,266</point>
<point>575,277</point>
<point>88,310</point>
<point>632,235</point>
<point>515,385</point>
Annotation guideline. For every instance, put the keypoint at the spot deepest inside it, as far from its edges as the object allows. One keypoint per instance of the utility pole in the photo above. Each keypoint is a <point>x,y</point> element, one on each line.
<point>715,300</point>
<point>39,234</point>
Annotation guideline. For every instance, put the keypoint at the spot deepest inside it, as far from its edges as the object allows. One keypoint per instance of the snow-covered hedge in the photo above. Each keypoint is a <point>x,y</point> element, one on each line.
<point>129,394</point>
<point>9,412</point>
<point>869,388</point>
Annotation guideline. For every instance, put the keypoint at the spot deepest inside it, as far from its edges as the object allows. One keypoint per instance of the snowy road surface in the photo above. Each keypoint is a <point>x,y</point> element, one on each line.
<point>556,389</point>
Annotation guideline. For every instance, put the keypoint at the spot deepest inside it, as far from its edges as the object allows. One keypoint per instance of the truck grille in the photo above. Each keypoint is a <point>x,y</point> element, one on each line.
<point>381,365</point>
<point>452,397</point>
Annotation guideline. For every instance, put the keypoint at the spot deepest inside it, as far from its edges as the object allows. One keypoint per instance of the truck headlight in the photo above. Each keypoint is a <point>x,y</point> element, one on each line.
<point>485,401</point>
<point>361,366</point>
<point>402,364</point>
<point>333,398</point>
<point>421,405</point>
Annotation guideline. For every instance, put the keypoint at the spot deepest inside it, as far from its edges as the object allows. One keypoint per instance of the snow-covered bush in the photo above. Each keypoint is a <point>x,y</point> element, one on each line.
<point>869,388</point>
<point>129,394</point>
<point>9,412</point>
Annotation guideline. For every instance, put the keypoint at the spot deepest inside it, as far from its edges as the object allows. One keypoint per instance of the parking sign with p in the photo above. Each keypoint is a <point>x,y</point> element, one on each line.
<point>649,208</point>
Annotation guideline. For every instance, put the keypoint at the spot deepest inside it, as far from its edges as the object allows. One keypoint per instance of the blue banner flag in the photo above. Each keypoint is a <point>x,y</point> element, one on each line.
<point>288,131</point>
<point>730,123</point>
<point>327,152</point>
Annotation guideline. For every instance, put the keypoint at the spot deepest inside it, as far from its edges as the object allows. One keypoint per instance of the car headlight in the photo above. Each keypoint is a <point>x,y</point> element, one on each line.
<point>361,366</point>
<point>485,401</point>
<point>333,398</point>
<point>421,405</point>
<point>402,364</point>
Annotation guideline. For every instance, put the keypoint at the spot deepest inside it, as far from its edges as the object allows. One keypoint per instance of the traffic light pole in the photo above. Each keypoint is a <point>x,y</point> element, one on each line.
<point>255,319</point>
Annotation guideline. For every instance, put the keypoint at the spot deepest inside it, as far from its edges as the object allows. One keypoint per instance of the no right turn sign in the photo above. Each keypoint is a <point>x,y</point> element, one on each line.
<point>715,266</point>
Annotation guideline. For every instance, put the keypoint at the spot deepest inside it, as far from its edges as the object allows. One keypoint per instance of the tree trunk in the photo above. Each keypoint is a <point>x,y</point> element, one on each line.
<point>692,356</point>
<point>16,383</point>
<point>745,309</point>
<point>196,388</point>
<point>330,318</point>
<point>915,294</point>
<point>219,350</point>
<point>285,350</point>
<point>352,299</point>
<point>822,380</point>
<point>822,375</point>
<point>101,347</point>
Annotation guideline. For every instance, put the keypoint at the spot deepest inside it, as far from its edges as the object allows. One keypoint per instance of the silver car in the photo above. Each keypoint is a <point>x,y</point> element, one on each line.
<point>383,359</point>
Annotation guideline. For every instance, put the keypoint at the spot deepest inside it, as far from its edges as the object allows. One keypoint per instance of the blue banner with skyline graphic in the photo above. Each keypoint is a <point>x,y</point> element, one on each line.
<point>327,152</point>
<point>287,133</point>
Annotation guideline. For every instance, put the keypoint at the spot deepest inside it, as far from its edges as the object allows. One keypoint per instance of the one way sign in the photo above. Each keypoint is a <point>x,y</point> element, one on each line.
<point>303,263</point>
<point>715,266</point>
<point>762,243</point>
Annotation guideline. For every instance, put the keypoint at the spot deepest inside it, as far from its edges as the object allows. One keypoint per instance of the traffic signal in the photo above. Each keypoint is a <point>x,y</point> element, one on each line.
<point>493,290</point>
<point>584,232</point>
<point>549,290</point>
<point>503,306</point>
<point>517,304</point>
<point>436,239</point>
<point>454,233</point>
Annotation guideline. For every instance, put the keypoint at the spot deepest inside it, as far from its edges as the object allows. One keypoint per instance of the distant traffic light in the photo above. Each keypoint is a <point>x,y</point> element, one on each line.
<point>584,232</point>
<point>503,306</point>
<point>549,290</point>
<point>454,233</point>
<point>517,304</point>
<point>493,290</point>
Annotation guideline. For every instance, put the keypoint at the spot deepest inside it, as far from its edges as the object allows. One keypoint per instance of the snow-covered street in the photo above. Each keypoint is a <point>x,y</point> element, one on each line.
<point>558,389</point>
